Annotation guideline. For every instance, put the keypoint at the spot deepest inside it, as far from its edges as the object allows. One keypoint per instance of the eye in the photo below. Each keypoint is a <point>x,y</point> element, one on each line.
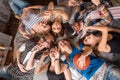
<point>54,28</point>
<point>58,28</point>
<point>44,26</point>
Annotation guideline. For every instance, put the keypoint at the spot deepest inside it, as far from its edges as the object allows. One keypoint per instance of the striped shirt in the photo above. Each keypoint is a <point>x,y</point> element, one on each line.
<point>99,13</point>
<point>31,18</point>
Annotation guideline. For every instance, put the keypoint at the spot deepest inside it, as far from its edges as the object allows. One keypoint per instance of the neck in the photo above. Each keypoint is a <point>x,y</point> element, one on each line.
<point>97,40</point>
<point>52,63</point>
<point>69,51</point>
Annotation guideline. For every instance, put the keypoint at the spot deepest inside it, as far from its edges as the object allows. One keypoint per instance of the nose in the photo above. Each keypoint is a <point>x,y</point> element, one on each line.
<point>43,24</point>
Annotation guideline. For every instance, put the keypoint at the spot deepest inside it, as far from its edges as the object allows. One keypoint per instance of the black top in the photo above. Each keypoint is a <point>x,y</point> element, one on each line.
<point>114,43</point>
<point>53,75</point>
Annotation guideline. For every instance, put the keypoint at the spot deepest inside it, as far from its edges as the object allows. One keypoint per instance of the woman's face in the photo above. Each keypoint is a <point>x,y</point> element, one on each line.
<point>56,27</point>
<point>41,27</point>
<point>52,53</point>
<point>89,40</point>
<point>73,2</point>
<point>76,26</point>
<point>64,45</point>
<point>43,43</point>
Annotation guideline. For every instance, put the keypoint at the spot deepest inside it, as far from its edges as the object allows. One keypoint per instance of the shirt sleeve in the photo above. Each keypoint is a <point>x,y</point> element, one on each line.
<point>104,15</point>
<point>22,48</point>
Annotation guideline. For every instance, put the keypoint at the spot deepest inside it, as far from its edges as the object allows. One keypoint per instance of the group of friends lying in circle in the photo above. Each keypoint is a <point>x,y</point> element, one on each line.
<point>73,40</point>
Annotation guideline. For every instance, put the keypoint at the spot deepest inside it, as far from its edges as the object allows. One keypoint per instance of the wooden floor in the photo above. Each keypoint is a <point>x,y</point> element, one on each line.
<point>11,30</point>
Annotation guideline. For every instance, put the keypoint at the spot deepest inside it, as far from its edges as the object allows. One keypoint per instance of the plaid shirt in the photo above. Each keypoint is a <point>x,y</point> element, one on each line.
<point>103,14</point>
<point>30,19</point>
<point>14,70</point>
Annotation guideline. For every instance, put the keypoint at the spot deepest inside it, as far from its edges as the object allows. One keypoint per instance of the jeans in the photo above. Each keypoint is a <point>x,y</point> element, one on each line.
<point>5,75</point>
<point>112,72</point>
<point>17,6</point>
<point>115,23</point>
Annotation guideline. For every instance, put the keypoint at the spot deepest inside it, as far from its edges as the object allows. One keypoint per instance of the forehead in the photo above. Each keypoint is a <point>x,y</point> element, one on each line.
<point>56,23</point>
<point>63,41</point>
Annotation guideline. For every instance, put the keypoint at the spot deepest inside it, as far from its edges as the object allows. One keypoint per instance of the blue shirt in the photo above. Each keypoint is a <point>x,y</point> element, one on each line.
<point>94,64</point>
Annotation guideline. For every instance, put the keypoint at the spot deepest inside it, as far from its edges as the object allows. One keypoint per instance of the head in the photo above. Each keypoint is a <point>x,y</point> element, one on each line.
<point>52,52</point>
<point>77,27</point>
<point>74,2</point>
<point>57,27</point>
<point>49,38</point>
<point>92,39</point>
<point>96,2</point>
<point>45,40</point>
<point>64,46</point>
<point>40,28</point>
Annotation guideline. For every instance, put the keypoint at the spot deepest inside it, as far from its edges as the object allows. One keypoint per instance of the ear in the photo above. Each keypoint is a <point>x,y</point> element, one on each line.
<point>50,6</point>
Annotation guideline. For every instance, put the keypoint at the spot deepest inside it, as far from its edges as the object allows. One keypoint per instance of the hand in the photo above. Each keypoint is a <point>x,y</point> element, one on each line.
<point>97,28</point>
<point>41,46</point>
<point>57,54</point>
<point>46,16</point>
<point>96,2</point>
<point>84,32</point>
<point>22,68</point>
<point>26,9</point>
<point>81,61</point>
<point>45,54</point>
<point>54,54</point>
<point>72,2</point>
<point>26,35</point>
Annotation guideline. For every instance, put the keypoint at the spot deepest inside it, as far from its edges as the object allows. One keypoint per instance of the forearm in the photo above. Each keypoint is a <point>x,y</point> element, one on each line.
<point>105,15</point>
<point>22,30</point>
<point>110,29</point>
<point>61,13</point>
<point>57,66</point>
<point>34,7</point>
<point>67,74</point>
<point>102,46</point>
<point>38,67</point>
<point>30,62</point>
<point>87,51</point>
<point>18,56</point>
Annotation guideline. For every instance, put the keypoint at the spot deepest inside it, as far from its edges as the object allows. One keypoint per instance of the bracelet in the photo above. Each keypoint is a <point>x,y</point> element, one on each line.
<point>56,60</point>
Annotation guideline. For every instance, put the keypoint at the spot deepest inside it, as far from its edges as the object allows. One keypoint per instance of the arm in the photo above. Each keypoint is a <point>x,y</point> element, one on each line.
<point>25,10</point>
<point>105,16</point>
<point>22,31</point>
<point>62,68</point>
<point>39,68</point>
<point>82,59</point>
<point>18,56</point>
<point>21,67</point>
<point>30,62</point>
<point>87,51</point>
<point>110,29</point>
<point>63,14</point>
<point>33,7</point>
<point>67,74</point>
<point>59,67</point>
<point>102,46</point>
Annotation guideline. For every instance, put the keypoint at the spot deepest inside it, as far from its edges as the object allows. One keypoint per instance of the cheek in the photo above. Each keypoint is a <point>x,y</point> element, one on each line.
<point>87,42</point>
<point>48,27</point>
<point>51,55</point>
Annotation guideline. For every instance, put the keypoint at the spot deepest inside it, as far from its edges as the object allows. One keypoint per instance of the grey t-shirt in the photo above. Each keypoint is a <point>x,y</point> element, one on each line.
<point>41,76</point>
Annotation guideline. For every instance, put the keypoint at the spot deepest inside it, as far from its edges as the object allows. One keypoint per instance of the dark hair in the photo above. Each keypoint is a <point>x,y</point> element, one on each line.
<point>2,78</point>
<point>61,33</point>
<point>95,33</point>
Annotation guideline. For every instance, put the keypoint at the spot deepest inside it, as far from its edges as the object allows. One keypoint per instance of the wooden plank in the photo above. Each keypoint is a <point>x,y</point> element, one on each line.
<point>6,41</point>
<point>4,15</point>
